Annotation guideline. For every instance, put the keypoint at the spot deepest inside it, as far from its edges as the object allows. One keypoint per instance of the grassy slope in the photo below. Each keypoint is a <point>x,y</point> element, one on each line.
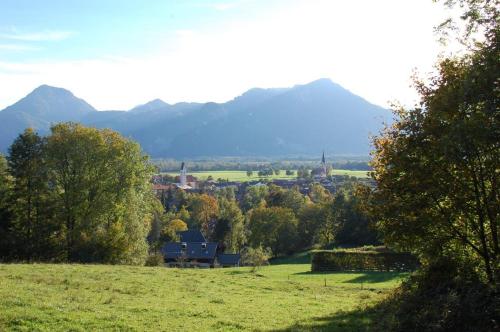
<point>279,297</point>
<point>241,176</point>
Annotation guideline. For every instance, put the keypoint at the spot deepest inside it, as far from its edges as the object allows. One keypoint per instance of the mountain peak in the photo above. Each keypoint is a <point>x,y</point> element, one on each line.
<point>150,106</point>
<point>44,89</point>
<point>49,104</point>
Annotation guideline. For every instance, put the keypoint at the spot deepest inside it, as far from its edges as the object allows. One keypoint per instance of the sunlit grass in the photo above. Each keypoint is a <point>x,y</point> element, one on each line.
<point>241,176</point>
<point>50,297</point>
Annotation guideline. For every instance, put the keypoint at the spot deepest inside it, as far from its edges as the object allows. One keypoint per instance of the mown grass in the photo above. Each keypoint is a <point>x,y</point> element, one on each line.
<point>49,297</point>
<point>241,176</point>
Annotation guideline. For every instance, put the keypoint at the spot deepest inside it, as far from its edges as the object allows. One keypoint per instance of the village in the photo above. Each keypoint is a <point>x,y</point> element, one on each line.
<point>191,248</point>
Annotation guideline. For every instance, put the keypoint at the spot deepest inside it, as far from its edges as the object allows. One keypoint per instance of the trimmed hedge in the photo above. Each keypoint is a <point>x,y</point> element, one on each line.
<point>355,260</point>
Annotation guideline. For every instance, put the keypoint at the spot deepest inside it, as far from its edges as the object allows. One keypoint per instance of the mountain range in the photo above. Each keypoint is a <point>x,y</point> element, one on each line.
<point>301,120</point>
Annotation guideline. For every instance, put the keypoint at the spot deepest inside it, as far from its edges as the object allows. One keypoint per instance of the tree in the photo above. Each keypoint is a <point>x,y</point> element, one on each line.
<point>254,197</point>
<point>255,257</point>
<point>249,173</point>
<point>229,230</point>
<point>303,173</point>
<point>353,224</point>
<point>204,210</point>
<point>31,200</point>
<point>319,194</point>
<point>169,232</point>
<point>437,167</point>
<point>288,198</point>
<point>274,227</point>
<point>105,201</point>
<point>313,219</point>
<point>6,238</point>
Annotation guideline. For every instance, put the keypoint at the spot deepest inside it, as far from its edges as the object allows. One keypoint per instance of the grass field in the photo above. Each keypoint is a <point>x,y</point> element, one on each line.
<point>241,176</point>
<point>48,297</point>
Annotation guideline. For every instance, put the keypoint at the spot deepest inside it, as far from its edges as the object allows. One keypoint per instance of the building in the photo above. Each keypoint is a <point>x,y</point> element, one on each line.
<point>186,182</point>
<point>194,251</point>
<point>321,172</point>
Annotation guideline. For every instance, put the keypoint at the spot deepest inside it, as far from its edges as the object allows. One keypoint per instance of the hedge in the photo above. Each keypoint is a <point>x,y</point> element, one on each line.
<point>355,260</point>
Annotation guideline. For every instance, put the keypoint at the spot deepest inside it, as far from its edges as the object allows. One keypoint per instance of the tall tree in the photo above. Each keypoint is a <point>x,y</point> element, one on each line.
<point>437,167</point>
<point>6,238</point>
<point>229,230</point>
<point>31,199</point>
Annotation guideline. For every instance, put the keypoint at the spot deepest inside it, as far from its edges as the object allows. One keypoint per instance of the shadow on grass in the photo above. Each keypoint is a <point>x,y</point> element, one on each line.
<point>235,272</point>
<point>366,277</point>
<point>298,258</point>
<point>374,277</point>
<point>357,320</point>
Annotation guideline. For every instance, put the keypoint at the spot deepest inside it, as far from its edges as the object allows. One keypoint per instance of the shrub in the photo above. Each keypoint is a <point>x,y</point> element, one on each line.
<point>255,257</point>
<point>442,296</point>
<point>155,259</point>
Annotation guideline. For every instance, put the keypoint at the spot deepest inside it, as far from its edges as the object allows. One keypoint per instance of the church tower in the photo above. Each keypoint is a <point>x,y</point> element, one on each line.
<point>183,179</point>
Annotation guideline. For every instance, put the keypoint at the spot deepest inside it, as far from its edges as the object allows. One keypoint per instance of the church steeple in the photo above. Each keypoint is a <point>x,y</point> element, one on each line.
<point>183,180</point>
<point>323,161</point>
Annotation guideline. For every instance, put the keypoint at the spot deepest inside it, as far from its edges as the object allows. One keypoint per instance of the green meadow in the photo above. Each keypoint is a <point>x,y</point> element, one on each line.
<point>241,176</point>
<point>280,297</point>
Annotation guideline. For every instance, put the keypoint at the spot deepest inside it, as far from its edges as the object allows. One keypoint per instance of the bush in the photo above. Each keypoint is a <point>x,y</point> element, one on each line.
<point>255,257</point>
<point>362,260</point>
<point>442,296</point>
<point>155,260</point>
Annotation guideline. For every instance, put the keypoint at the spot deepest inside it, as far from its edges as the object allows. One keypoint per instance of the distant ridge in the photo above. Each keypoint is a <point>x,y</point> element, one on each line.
<point>300,120</point>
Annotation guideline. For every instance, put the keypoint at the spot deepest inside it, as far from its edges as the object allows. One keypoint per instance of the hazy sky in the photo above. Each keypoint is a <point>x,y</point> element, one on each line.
<point>117,54</point>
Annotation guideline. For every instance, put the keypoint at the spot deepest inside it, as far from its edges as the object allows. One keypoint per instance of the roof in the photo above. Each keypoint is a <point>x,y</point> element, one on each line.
<point>192,236</point>
<point>189,178</point>
<point>185,187</point>
<point>229,259</point>
<point>193,250</point>
<point>158,186</point>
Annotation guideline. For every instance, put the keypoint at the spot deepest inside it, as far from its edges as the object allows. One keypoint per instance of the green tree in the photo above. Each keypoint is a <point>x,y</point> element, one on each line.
<point>229,230</point>
<point>249,173</point>
<point>273,227</point>
<point>437,167</point>
<point>254,197</point>
<point>105,199</point>
<point>6,223</point>
<point>288,198</point>
<point>313,219</point>
<point>255,257</point>
<point>32,203</point>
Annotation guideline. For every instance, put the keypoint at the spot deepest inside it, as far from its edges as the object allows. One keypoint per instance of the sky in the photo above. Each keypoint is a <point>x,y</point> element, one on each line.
<point>117,54</point>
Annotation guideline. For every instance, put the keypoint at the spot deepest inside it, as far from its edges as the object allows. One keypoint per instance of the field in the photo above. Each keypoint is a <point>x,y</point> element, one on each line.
<point>49,297</point>
<point>241,176</point>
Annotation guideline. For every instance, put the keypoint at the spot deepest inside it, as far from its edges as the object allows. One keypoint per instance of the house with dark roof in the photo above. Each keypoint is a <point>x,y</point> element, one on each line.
<point>194,251</point>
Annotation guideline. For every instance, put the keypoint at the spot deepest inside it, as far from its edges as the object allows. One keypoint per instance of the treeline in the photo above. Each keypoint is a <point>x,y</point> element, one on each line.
<point>268,216</point>
<point>78,195</point>
<point>171,165</point>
